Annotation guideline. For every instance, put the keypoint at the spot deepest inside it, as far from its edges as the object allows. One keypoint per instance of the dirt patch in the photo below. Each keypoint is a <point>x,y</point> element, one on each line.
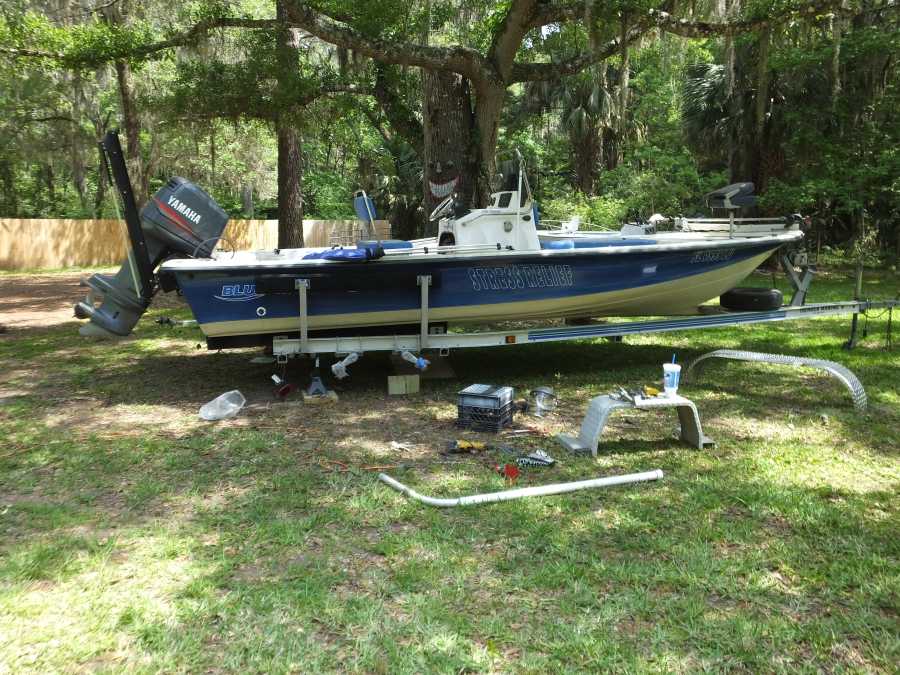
<point>90,417</point>
<point>42,300</point>
<point>38,300</point>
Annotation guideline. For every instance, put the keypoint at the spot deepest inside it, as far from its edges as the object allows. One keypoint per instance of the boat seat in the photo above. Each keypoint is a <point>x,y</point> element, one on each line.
<point>557,244</point>
<point>732,196</point>
<point>602,243</point>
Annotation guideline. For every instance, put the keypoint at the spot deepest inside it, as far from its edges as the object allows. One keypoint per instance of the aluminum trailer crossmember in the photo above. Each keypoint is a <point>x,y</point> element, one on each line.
<point>283,347</point>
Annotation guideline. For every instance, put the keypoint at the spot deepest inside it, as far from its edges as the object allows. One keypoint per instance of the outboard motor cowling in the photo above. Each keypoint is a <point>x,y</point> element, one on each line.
<point>183,218</point>
<point>180,219</point>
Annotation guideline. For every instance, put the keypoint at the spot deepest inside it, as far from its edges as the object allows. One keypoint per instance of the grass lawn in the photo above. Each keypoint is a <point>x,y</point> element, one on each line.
<point>134,537</point>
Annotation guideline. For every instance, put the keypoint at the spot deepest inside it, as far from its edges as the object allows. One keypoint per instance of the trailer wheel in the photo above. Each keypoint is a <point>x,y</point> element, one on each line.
<point>752,299</point>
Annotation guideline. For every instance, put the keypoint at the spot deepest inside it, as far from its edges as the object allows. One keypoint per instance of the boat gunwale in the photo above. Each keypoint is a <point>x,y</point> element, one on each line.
<point>179,265</point>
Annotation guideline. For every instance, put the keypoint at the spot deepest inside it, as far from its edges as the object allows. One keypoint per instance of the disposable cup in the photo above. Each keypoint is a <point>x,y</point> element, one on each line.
<point>671,376</point>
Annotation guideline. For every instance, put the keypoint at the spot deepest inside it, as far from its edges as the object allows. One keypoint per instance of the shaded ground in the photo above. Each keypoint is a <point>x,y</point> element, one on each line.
<point>41,300</point>
<point>30,301</point>
<point>134,537</point>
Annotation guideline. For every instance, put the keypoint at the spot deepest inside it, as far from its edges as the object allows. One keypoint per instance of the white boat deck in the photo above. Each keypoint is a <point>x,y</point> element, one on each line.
<point>427,249</point>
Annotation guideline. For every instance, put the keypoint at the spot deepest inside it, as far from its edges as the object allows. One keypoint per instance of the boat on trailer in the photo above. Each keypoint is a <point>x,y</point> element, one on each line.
<point>485,265</point>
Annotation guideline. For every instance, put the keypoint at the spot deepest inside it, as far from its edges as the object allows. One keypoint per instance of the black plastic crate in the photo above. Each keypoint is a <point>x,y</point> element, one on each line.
<point>485,396</point>
<point>480,418</point>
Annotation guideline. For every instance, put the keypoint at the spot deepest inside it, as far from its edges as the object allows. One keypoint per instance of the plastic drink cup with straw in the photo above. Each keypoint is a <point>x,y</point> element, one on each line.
<point>671,376</point>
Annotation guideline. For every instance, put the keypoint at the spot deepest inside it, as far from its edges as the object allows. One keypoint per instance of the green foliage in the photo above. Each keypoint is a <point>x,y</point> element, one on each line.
<point>594,212</point>
<point>95,43</point>
<point>671,185</point>
<point>208,111</point>
<point>660,182</point>
<point>327,195</point>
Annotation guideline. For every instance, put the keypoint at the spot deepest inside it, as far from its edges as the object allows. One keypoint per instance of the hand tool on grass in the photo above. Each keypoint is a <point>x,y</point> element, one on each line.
<point>462,446</point>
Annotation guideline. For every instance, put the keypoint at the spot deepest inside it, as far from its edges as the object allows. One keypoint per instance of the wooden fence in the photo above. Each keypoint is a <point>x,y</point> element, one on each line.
<point>57,243</point>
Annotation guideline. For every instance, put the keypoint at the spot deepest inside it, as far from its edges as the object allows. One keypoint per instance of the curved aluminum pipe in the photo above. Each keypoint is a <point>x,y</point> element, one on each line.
<point>841,373</point>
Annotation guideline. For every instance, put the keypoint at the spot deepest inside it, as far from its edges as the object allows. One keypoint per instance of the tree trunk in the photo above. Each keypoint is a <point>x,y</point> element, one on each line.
<point>247,200</point>
<point>290,167</point>
<point>79,178</point>
<point>7,190</point>
<point>101,123</point>
<point>76,148</point>
<point>837,27</point>
<point>449,156</point>
<point>132,123</point>
<point>624,83</point>
<point>586,153</point>
<point>100,195</point>
<point>489,106</point>
<point>212,153</point>
<point>290,176</point>
<point>760,150</point>
<point>50,180</point>
<point>610,148</point>
<point>405,220</point>
<point>762,84</point>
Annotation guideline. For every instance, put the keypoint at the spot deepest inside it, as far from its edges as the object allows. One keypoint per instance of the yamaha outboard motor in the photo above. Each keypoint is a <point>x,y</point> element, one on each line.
<point>179,220</point>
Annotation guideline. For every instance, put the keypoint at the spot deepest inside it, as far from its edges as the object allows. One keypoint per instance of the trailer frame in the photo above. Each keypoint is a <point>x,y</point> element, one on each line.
<point>433,337</point>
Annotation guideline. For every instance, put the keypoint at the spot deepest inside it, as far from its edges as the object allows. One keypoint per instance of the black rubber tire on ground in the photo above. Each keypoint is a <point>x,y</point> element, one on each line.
<point>752,299</point>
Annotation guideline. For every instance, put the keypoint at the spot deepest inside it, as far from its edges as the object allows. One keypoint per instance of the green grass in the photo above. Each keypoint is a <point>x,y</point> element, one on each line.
<point>134,537</point>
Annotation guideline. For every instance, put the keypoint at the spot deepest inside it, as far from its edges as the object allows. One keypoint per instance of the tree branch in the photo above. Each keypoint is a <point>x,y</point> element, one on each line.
<point>552,11</point>
<point>534,72</point>
<point>184,38</point>
<point>456,59</point>
<point>31,53</point>
<point>375,121</point>
<point>399,116</point>
<point>704,29</point>
<point>508,37</point>
<point>196,31</point>
<point>30,119</point>
<point>656,19</point>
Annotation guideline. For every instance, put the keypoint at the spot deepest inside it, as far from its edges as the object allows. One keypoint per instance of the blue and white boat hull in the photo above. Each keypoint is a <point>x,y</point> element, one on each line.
<point>255,293</point>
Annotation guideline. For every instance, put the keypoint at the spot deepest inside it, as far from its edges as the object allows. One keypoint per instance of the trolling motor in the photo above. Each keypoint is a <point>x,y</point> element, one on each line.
<point>179,220</point>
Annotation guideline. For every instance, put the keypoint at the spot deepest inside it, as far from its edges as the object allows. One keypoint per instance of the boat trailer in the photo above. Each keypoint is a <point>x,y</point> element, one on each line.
<point>126,296</point>
<point>435,336</point>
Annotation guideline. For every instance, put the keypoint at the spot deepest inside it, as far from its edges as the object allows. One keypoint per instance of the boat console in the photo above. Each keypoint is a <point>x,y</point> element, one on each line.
<point>508,220</point>
<point>732,197</point>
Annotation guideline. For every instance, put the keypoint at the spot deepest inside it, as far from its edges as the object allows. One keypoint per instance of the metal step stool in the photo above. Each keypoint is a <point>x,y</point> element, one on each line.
<point>600,408</point>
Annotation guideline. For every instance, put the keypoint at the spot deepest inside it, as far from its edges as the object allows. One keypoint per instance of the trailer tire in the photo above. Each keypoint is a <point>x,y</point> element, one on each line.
<point>752,299</point>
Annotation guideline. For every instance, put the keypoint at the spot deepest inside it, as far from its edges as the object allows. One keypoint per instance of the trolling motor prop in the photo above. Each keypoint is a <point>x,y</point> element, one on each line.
<point>180,219</point>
